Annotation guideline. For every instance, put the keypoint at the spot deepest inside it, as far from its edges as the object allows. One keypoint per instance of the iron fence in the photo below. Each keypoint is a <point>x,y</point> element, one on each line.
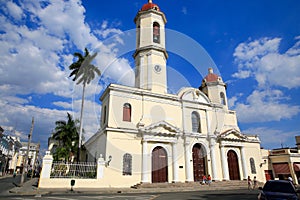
<point>84,170</point>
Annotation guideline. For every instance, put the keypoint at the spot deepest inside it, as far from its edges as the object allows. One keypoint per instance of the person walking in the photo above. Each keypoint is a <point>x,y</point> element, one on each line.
<point>249,183</point>
<point>254,183</point>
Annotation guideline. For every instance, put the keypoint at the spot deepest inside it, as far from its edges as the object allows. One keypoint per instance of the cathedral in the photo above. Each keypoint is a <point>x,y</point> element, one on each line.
<point>150,136</point>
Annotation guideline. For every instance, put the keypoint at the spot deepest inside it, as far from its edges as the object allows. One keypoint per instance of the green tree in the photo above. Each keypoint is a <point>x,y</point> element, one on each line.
<point>66,134</point>
<point>84,72</point>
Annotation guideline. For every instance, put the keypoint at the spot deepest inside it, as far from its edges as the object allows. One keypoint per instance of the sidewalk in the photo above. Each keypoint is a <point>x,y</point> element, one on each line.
<point>30,188</point>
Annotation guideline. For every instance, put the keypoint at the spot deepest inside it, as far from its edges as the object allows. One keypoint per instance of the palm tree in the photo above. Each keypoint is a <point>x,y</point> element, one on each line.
<point>66,135</point>
<point>83,72</point>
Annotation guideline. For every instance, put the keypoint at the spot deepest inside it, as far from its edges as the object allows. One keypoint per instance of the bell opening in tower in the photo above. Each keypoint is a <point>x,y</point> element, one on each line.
<point>156,32</point>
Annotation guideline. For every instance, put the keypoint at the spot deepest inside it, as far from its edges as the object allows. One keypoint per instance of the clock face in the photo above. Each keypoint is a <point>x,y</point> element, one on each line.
<point>157,68</point>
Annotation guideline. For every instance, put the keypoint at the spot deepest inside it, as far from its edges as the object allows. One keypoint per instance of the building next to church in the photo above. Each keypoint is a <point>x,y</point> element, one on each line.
<point>150,136</point>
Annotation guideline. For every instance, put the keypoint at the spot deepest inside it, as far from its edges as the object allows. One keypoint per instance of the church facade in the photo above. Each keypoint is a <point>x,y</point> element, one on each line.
<point>150,136</point>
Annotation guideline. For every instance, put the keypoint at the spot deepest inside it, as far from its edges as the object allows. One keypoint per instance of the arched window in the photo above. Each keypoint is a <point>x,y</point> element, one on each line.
<point>127,112</point>
<point>222,96</point>
<point>156,32</point>
<point>252,165</point>
<point>196,125</point>
<point>127,164</point>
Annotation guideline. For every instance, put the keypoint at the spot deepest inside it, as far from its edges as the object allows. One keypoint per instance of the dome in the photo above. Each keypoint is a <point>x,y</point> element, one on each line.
<point>149,6</point>
<point>211,77</point>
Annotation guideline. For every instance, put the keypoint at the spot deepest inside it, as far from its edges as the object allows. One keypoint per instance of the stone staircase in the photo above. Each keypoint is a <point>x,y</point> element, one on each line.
<point>215,185</point>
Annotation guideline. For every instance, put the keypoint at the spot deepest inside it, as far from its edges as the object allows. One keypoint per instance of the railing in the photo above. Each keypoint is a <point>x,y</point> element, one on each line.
<point>73,170</point>
<point>283,151</point>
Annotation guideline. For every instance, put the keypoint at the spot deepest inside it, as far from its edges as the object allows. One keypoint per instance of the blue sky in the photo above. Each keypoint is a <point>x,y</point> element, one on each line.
<point>254,45</point>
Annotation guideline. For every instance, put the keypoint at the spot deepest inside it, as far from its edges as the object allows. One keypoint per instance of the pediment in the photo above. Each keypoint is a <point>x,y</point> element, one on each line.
<point>232,134</point>
<point>193,94</point>
<point>161,128</point>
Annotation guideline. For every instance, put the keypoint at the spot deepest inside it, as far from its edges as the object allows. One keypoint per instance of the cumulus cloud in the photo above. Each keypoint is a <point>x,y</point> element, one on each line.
<point>262,60</point>
<point>274,72</point>
<point>265,106</point>
<point>274,137</point>
<point>37,41</point>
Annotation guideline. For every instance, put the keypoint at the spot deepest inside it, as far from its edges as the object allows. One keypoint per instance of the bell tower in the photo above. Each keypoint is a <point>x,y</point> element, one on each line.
<point>150,55</point>
<point>214,87</point>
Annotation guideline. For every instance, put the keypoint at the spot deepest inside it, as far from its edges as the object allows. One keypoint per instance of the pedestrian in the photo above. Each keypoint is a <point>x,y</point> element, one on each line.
<point>204,179</point>
<point>254,182</point>
<point>208,179</point>
<point>249,182</point>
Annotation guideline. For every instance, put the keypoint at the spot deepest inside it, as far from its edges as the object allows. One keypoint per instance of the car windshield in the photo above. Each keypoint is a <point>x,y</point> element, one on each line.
<point>284,187</point>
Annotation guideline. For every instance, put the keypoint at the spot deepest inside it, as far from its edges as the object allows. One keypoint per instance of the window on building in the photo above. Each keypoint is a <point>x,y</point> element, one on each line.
<point>127,112</point>
<point>156,32</point>
<point>196,125</point>
<point>127,164</point>
<point>252,165</point>
<point>222,96</point>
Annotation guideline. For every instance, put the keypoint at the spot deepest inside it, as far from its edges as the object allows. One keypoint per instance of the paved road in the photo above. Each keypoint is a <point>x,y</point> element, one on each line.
<point>7,183</point>
<point>199,195</point>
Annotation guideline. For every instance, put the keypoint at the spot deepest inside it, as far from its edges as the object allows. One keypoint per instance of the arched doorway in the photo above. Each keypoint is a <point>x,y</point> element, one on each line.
<point>159,165</point>
<point>199,162</point>
<point>233,165</point>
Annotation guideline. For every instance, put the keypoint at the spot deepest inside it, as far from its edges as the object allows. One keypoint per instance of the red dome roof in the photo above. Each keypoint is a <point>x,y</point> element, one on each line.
<point>149,6</point>
<point>211,77</point>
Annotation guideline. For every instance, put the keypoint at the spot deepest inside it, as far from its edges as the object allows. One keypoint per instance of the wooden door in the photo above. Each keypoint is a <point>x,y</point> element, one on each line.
<point>199,159</point>
<point>159,165</point>
<point>233,165</point>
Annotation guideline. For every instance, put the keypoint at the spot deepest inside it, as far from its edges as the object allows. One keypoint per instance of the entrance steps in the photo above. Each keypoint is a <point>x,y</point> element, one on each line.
<point>215,185</point>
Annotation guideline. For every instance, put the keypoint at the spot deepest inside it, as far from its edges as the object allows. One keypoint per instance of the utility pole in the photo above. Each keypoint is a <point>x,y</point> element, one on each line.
<point>26,157</point>
<point>37,150</point>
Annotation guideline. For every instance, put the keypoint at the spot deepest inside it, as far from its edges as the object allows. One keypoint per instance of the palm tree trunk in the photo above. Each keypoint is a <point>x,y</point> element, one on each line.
<point>81,123</point>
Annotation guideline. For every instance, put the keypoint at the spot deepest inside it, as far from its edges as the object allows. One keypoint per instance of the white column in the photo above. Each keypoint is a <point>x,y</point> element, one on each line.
<point>145,162</point>
<point>244,164</point>
<point>175,162</point>
<point>188,169</point>
<point>47,164</point>
<point>212,143</point>
<point>214,171</point>
<point>100,167</point>
<point>46,170</point>
<point>224,164</point>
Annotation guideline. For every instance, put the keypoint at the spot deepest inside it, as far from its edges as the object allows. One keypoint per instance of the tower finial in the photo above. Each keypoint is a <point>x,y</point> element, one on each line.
<point>149,1</point>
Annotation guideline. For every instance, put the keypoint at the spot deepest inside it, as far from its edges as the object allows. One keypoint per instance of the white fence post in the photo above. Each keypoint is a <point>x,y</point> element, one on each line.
<point>100,167</point>
<point>47,164</point>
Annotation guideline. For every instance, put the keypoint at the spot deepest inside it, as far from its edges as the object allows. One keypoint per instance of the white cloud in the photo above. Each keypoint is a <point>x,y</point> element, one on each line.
<point>242,74</point>
<point>37,41</point>
<point>184,10</point>
<point>14,10</point>
<point>265,106</point>
<point>274,138</point>
<point>274,72</point>
<point>262,60</point>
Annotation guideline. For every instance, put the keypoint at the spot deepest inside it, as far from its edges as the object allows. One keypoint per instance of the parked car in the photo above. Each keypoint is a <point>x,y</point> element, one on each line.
<point>278,190</point>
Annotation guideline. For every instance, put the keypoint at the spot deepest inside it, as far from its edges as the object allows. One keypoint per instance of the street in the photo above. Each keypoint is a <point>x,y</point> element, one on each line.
<point>7,183</point>
<point>202,195</point>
